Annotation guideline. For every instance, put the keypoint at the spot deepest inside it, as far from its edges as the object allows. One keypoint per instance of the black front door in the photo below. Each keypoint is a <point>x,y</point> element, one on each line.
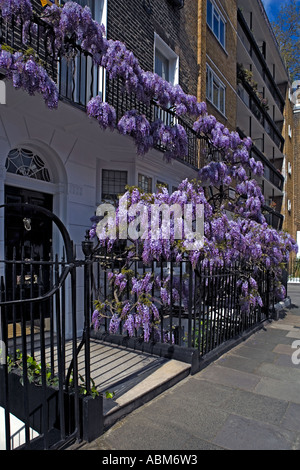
<point>28,241</point>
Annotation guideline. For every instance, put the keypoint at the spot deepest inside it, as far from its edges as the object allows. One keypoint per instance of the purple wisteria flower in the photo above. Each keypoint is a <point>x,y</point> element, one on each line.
<point>96,320</point>
<point>114,324</point>
<point>21,10</point>
<point>75,21</point>
<point>138,127</point>
<point>103,112</point>
<point>172,138</point>
<point>25,73</point>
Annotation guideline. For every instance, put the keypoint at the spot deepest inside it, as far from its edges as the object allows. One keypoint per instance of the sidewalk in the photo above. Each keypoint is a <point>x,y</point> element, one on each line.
<point>247,399</point>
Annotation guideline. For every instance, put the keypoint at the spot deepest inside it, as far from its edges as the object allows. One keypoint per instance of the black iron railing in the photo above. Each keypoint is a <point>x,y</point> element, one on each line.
<point>273,218</point>
<point>249,98</point>
<point>270,172</point>
<point>204,309</point>
<point>80,80</point>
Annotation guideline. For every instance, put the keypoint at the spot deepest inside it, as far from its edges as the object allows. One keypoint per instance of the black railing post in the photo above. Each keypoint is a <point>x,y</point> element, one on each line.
<point>190,304</point>
<point>3,364</point>
<point>74,349</point>
<point>87,248</point>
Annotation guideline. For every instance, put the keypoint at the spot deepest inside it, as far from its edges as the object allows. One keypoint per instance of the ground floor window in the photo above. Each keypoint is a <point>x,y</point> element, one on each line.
<point>145,183</point>
<point>162,183</point>
<point>113,184</point>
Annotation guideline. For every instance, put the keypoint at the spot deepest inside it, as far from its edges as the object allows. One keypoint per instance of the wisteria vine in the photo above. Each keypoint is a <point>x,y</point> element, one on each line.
<point>27,74</point>
<point>249,246</point>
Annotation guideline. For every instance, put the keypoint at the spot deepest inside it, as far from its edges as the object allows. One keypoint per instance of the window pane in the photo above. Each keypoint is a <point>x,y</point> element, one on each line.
<point>209,13</point>
<point>222,33</point>
<point>145,183</point>
<point>222,100</point>
<point>208,84</point>
<point>99,7</point>
<point>113,184</point>
<point>216,94</point>
<point>216,24</point>
<point>24,162</point>
<point>161,65</point>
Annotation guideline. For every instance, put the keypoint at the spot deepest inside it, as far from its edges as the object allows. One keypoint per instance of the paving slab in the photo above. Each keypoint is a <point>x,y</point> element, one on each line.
<point>233,378</point>
<point>295,334</point>
<point>237,362</point>
<point>259,407</point>
<point>286,374</point>
<point>282,326</point>
<point>239,433</point>
<point>285,360</point>
<point>283,349</point>
<point>291,419</point>
<point>246,351</point>
<point>278,389</point>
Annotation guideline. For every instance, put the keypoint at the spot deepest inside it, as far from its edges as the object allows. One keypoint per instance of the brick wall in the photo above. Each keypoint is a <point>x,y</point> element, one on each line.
<point>129,22</point>
<point>297,168</point>
<point>222,62</point>
<point>289,186</point>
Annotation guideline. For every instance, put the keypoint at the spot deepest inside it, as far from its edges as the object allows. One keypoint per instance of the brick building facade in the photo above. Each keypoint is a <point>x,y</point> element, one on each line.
<point>146,26</point>
<point>246,86</point>
<point>296,161</point>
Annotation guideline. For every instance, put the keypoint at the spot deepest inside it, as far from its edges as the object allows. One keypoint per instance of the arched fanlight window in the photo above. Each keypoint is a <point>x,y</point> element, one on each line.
<point>24,162</point>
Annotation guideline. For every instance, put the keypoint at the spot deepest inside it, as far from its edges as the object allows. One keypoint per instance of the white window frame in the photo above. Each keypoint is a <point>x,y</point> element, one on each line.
<point>213,80</point>
<point>102,71</point>
<point>170,55</point>
<point>216,15</point>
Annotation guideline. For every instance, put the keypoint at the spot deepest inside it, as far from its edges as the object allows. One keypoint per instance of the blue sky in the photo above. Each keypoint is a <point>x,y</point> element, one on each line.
<point>273,6</point>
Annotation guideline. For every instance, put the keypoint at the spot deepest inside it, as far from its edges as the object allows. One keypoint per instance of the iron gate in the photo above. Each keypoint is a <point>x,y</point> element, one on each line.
<point>39,376</point>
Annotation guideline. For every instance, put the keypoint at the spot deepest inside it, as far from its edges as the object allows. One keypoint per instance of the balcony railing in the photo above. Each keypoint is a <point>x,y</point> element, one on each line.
<point>273,218</point>
<point>249,98</point>
<point>78,80</point>
<point>254,51</point>
<point>270,172</point>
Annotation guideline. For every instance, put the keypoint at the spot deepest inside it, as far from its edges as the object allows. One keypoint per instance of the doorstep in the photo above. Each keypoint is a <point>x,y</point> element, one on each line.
<point>166,376</point>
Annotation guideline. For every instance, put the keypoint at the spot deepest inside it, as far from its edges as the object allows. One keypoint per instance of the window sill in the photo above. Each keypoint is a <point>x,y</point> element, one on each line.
<point>217,109</point>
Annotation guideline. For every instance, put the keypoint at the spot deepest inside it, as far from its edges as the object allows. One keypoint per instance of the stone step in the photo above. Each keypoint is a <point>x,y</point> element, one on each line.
<point>154,384</point>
